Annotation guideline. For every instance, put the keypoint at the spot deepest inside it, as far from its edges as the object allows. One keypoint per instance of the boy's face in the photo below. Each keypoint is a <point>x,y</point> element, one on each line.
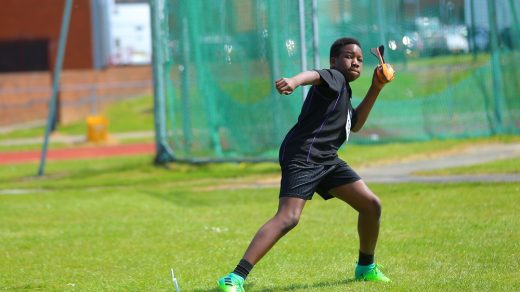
<point>349,62</point>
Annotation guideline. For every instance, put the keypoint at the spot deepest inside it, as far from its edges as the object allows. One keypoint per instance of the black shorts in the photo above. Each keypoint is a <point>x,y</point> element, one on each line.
<point>301,179</point>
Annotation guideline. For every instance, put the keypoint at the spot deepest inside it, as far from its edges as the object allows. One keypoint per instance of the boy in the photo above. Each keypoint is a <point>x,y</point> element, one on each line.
<point>309,161</point>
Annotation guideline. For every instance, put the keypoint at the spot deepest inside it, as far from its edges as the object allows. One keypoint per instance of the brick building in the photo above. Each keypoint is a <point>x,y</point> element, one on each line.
<point>29,35</point>
<point>29,38</point>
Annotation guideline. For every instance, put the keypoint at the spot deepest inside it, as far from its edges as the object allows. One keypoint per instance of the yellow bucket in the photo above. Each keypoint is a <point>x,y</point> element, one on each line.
<point>97,129</point>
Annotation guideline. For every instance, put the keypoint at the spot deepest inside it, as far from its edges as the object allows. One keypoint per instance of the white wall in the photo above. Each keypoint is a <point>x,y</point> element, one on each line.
<point>130,34</point>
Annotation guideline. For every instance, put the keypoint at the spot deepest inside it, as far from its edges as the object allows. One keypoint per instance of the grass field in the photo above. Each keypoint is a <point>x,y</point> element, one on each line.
<point>131,115</point>
<point>120,224</point>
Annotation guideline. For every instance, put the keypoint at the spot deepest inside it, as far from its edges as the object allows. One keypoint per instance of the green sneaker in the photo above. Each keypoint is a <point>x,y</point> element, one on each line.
<point>370,273</point>
<point>231,283</point>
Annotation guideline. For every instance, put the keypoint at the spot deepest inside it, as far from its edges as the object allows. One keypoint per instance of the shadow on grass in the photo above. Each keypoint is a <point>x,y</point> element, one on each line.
<point>316,285</point>
<point>84,170</point>
<point>182,199</point>
<point>291,287</point>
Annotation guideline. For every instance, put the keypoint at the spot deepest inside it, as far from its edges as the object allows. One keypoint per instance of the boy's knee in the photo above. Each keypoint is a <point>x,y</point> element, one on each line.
<point>289,222</point>
<point>373,207</point>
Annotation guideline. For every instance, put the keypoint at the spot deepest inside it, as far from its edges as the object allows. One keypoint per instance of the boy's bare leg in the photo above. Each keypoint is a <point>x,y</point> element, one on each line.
<point>363,200</point>
<point>285,219</point>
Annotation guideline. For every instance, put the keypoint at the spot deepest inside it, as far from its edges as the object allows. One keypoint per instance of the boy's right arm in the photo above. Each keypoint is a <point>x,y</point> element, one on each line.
<point>288,85</point>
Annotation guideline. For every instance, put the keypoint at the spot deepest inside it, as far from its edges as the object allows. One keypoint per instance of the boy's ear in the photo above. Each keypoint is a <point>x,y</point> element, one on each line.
<point>332,62</point>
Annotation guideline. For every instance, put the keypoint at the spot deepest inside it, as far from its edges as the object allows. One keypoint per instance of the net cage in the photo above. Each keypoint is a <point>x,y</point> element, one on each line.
<point>215,63</point>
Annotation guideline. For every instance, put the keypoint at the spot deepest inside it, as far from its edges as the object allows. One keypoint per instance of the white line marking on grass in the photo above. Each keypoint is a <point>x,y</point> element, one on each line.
<point>14,192</point>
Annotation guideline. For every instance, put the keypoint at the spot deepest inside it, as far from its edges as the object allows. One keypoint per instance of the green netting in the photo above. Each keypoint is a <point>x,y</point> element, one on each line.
<point>456,61</point>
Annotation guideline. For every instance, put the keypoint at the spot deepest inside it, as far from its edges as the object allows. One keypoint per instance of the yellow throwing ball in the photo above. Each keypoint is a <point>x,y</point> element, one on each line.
<point>386,73</point>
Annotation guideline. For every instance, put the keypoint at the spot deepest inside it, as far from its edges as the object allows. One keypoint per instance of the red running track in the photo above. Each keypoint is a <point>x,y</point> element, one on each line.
<point>16,157</point>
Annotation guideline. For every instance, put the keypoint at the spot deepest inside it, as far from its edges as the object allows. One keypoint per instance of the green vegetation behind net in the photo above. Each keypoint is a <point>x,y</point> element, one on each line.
<point>456,68</point>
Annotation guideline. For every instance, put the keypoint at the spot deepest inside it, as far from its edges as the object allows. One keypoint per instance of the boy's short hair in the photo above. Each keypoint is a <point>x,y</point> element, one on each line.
<point>340,43</point>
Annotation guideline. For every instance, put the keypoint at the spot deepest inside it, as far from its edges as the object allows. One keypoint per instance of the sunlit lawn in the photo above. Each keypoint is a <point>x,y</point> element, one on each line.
<point>120,224</point>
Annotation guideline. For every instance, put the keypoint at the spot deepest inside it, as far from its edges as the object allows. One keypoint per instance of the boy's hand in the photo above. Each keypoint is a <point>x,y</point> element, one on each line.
<point>383,74</point>
<point>285,85</point>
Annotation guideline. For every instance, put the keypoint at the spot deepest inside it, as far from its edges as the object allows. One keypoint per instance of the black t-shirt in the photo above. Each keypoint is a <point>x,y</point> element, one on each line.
<point>324,122</point>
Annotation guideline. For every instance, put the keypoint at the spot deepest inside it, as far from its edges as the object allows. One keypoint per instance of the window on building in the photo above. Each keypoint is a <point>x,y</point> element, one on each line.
<point>24,55</point>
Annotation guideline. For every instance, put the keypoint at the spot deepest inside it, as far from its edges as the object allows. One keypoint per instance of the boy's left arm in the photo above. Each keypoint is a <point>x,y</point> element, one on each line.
<point>364,108</point>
